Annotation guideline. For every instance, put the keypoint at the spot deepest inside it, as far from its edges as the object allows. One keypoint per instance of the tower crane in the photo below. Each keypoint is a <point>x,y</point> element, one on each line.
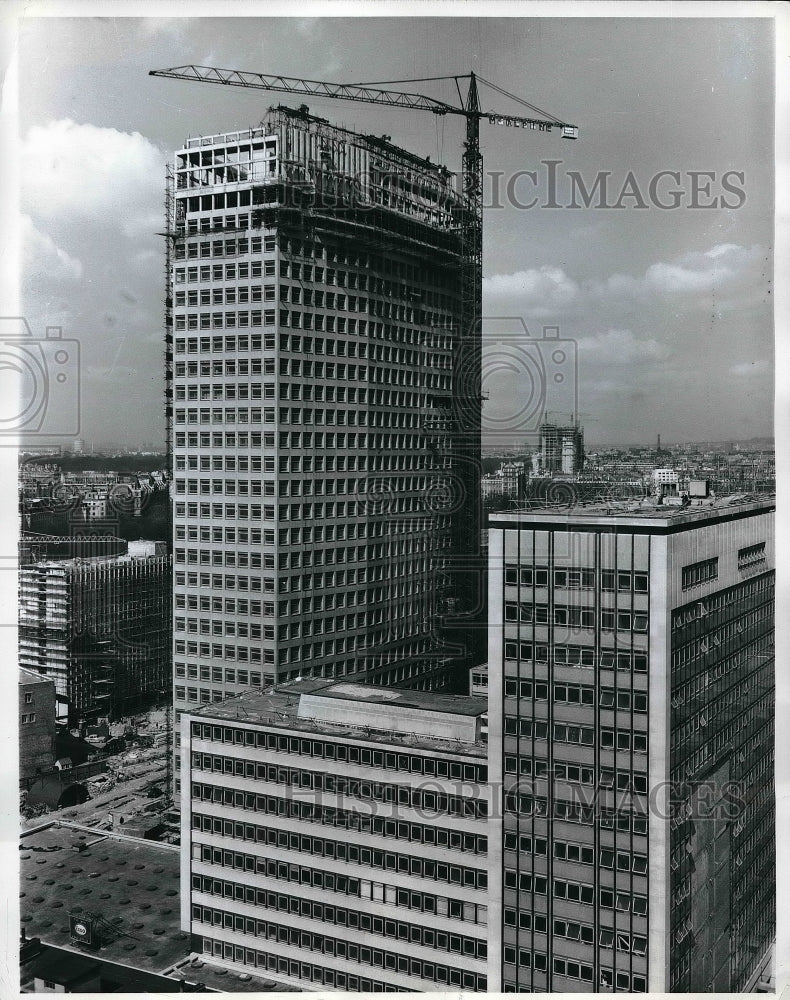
<point>468,347</point>
<point>472,160</point>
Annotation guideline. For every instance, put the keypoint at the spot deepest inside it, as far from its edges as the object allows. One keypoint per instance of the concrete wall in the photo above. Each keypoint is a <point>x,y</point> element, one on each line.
<point>36,738</point>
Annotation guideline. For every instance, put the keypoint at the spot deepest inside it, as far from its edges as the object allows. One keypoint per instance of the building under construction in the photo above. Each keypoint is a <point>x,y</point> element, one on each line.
<point>99,628</point>
<point>561,449</point>
<point>325,436</point>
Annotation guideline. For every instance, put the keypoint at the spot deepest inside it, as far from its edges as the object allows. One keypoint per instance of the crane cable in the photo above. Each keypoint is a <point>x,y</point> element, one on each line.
<point>518,100</point>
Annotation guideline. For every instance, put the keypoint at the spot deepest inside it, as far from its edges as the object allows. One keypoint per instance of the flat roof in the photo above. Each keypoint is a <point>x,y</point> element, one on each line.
<point>646,513</point>
<point>28,676</point>
<point>278,708</point>
<point>131,884</point>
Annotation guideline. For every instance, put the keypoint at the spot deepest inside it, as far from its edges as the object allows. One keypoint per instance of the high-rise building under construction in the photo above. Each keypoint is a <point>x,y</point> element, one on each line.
<point>325,437</point>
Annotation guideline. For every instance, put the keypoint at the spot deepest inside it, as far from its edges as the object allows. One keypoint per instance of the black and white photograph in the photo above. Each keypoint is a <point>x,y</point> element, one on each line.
<point>388,402</point>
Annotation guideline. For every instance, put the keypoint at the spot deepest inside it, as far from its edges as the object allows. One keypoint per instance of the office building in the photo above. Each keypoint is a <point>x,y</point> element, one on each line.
<point>631,694</point>
<point>320,489</point>
<point>99,628</point>
<point>335,835</point>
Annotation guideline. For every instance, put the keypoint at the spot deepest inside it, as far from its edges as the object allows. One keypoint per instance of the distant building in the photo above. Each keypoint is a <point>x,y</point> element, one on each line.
<point>561,450</point>
<point>631,670</point>
<point>666,482</point>
<point>336,835</point>
<point>99,628</point>
<point>35,548</point>
<point>507,481</point>
<point>36,724</point>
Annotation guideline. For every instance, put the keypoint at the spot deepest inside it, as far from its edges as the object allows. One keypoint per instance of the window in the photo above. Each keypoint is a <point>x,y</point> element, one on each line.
<point>699,572</point>
<point>752,555</point>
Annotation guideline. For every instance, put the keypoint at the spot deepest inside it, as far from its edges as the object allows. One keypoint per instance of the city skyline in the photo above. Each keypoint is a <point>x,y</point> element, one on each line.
<point>627,284</point>
<point>432,723</point>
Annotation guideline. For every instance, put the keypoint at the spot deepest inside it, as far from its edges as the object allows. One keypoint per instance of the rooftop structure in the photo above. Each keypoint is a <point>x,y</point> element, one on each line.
<point>432,720</point>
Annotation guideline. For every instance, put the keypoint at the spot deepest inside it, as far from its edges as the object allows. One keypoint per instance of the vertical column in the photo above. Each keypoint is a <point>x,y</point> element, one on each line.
<point>658,897</point>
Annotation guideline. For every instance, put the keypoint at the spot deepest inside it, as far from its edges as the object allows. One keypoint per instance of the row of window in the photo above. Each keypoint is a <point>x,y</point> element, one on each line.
<point>569,733</point>
<point>751,556</point>
<point>577,579</point>
<point>339,916</point>
<point>573,930</point>
<point>575,617</point>
<point>576,892</point>
<point>328,750</point>
<point>219,248</point>
<point>455,909</point>
<point>730,601</point>
<point>321,847</point>
<point>732,605</point>
<point>323,975</point>
<point>622,982</point>
<point>578,694</point>
<point>584,854</point>
<point>623,781</point>
<point>229,368</point>
<point>229,271</point>
<point>576,656</point>
<point>340,785</point>
<point>350,820</point>
<point>596,813</point>
<point>292,536</point>
<point>227,295</point>
<point>697,573</point>
<point>437,871</point>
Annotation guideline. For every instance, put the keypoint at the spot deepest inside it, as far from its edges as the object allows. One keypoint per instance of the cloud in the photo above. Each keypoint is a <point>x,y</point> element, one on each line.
<point>537,292</point>
<point>718,268</point>
<point>42,256</point>
<point>83,171</point>
<point>620,347</point>
<point>172,26</point>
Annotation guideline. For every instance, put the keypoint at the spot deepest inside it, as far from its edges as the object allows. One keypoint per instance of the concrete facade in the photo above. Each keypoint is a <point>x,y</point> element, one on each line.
<point>36,724</point>
<point>319,496</point>
<point>339,853</point>
<point>631,708</point>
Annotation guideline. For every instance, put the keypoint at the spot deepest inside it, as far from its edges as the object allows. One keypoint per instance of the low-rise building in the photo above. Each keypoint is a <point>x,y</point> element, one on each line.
<point>335,834</point>
<point>36,724</point>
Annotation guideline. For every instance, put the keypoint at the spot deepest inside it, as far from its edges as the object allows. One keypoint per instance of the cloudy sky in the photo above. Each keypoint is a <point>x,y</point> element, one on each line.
<point>663,282</point>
